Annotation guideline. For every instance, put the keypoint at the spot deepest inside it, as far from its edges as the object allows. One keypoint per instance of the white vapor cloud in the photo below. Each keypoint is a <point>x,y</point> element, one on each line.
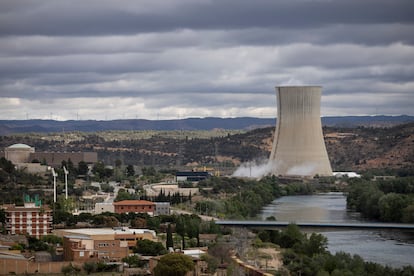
<point>253,169</point>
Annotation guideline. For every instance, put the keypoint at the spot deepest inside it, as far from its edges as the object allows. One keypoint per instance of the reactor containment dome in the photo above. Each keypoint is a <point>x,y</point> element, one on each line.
<point>298,146</point>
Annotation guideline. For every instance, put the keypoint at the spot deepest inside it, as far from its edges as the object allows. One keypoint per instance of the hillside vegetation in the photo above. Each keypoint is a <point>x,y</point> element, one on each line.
<point>357,149</point>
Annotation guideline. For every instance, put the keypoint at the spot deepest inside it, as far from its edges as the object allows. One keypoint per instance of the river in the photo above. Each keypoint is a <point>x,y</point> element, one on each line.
<point>393,248</point>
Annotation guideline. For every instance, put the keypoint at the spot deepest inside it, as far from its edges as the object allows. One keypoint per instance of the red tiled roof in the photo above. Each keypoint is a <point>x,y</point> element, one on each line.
<point>134,202</point>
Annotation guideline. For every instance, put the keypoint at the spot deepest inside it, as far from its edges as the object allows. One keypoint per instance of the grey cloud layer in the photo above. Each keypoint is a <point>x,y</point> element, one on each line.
<point>203,57</point>
<point>129,17</point>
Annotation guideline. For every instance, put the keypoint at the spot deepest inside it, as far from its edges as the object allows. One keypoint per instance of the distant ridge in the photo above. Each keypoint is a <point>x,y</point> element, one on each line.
<point>8,127</point>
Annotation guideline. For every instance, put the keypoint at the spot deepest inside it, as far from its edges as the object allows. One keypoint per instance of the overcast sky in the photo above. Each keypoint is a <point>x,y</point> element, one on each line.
<point>169,59</point>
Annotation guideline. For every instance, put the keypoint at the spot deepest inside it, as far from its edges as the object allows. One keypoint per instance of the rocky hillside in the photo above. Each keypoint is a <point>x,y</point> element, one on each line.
<point>355,149</point>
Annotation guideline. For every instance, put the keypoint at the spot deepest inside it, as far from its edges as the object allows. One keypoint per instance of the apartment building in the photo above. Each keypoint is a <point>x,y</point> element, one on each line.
<point>31,219</point>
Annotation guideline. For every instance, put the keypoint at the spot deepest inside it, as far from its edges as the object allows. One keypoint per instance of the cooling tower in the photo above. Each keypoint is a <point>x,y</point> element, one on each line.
<point>298,146</point>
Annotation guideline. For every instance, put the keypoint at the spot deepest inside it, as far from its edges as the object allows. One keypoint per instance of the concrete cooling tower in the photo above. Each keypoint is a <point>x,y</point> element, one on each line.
<point>298,146</point>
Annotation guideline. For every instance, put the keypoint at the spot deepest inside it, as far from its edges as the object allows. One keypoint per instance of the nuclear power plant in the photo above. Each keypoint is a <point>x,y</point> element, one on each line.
<point>298,146</point>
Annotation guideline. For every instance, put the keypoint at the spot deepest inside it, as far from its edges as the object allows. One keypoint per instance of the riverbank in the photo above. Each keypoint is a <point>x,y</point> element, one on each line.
<point>392,248</point>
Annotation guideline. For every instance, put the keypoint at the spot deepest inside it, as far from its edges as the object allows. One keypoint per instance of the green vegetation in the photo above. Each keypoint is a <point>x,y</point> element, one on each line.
<point>70,269</point>
<point>134,261</point>
<point>174,265</point>
<point>236,198</point>
<point>14,184</point>
<point>169,242</point>
<point>46,243</point>
<point>385,200</point>
<point>149,248</point>
<point>307,255</point>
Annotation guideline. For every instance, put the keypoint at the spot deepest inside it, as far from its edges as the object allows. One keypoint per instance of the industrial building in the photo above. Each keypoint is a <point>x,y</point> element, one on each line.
<point>298,147</point>
<point>192,176</point>
<point>22,155</point>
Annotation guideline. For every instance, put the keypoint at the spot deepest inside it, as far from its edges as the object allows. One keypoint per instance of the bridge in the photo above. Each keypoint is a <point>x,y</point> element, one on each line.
<point>265,224</point>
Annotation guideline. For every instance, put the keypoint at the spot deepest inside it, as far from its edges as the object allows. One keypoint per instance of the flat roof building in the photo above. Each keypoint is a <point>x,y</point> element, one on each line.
<point>134,206</point>
<point>191,176</point>
<point>30,219</point>
<point>21,154</point>
<point>98,243</point>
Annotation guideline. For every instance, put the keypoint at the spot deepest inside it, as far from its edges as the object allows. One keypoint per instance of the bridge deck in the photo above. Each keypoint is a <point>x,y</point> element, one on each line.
<point>276,224</point>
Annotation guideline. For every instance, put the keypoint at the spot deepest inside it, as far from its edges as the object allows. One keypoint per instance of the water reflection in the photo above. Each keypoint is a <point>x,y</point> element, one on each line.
<point>329,207</point>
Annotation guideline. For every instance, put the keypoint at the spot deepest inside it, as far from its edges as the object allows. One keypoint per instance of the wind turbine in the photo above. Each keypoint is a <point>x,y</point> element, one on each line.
<point>54,184</point>
<point>66,181</point>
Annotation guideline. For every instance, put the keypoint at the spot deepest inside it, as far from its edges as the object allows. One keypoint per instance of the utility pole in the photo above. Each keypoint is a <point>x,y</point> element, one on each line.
<point>54,184</point>
<point>66,181</point>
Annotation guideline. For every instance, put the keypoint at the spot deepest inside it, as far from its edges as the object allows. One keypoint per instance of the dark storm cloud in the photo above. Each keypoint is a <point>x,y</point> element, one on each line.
<point>202,57</point>
<point>129,17</point>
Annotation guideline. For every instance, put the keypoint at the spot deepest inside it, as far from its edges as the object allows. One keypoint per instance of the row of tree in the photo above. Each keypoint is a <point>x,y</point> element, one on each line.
<point>247,197</point>
<point>384,200</point>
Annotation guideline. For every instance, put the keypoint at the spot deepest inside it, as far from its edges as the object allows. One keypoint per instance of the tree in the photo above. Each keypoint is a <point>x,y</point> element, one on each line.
<point>52,239</point>
<point>83,168</point>
<point>221,251</point>
<point>139,223</point>
<point>99,169</point>
<point>118,163</point>
<point>290,236</point>
<point>149,248</point>
<point>37,245</point>
<point>124,195</point>
<point>180,228</point>
<point>133,261</point>
<point>89,267</point>
<point>174,264</point>
<point>148,171</point>
<point>193,228</point>
<point>391,207</point>
<point>170,242</point>
<point>70,269</point>
<point>2,216</point>
<point>130,171</point>
<point>6,165</point>
<point>408,214</point>
<point>315,244</point>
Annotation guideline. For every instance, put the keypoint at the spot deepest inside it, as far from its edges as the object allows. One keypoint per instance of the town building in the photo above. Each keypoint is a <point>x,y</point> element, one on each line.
<point>154,190</point>
<point>162,208</point>
<point>134,206</point>
<point>83,248</point>
<point>103,207</point>
<point>32,219</point>
<point>106,244</point>
<point>191,176</point>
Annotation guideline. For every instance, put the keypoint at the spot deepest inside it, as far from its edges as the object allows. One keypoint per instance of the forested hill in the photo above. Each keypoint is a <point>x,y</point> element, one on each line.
<point>8,127</point>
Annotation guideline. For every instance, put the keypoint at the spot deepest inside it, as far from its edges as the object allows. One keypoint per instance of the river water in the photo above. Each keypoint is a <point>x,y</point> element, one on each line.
<point>393,248</point>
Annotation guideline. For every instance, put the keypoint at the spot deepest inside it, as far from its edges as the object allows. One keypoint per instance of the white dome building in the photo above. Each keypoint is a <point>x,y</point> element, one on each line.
<point>18,153</point>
